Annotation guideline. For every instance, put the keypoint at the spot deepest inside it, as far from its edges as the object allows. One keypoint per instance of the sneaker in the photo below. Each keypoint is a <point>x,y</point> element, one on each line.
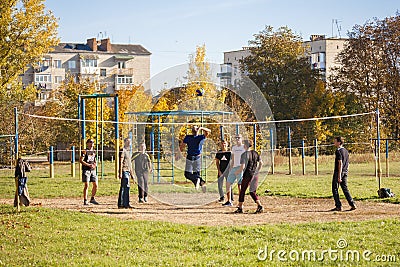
<point>93,201</point>
<point>227,204</point>
<point>239,210</point>
<point>221,199</point>
<point>145,199</point>
<point>85,202</point>
<point>354,207</point>
<point>260,209</point>
<point>203,186</point>
<point>336,209</point>
<point>197,186</point>
<point>141,200</point>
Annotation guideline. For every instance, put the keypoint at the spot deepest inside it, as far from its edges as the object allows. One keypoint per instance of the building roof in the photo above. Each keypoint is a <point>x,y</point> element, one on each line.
<point>130,49</point>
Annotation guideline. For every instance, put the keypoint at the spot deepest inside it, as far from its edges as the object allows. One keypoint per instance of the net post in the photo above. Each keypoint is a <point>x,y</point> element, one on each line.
<point>255,137</point>
<point>303,161</point>
<point>116,137</point>
<point>152,148</point>
<point>16,158</point>
<point>387,158</point>
<point>16,133</point>
<point>73,161</point>
<point>290,152</point>
<point>378,137</point>
<point>51,160</point>
<point>271,138</point>
<point>316,156</point>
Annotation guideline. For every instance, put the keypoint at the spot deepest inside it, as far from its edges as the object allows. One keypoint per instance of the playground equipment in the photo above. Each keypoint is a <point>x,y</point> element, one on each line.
<point>164,141</point>
<point>81,116</point>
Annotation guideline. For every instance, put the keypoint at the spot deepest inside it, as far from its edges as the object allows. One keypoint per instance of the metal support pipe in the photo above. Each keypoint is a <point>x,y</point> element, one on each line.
<point>316,156</point>
<point>290,151</point>
<point>51,160</point>
<point>303,154</point>
<point>116,136</point>
<point>73,161</point>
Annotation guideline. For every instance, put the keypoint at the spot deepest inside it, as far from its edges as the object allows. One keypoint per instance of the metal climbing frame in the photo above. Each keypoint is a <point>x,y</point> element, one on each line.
<point>156,133</point>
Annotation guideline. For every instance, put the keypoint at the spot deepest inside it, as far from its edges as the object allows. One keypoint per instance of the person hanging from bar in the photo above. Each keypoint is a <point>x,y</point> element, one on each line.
<point>194,144</point>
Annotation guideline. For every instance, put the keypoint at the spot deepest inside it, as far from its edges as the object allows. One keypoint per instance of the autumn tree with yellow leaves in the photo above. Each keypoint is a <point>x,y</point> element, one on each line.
<point>27,32</point>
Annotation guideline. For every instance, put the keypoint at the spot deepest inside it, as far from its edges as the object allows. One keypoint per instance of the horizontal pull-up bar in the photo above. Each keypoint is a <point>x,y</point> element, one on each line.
<point>98,95</point>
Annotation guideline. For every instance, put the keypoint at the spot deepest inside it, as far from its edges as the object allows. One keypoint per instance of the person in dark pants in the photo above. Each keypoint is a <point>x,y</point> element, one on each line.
<point>250,164</point>
<point>125,173</point>
<point>340,175</point>
<point>222,159</point>
<point>142,168</point>
<point>194,144</point>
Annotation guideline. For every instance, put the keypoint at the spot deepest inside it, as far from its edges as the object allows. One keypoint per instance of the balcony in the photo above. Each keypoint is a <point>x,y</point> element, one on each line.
<point>125,71</point>
<point>226,71</point>
<point>40,69</point>
<point>44,86</point>
<point>318,65</point>
<point>224,75</point>
<point>90,71</point>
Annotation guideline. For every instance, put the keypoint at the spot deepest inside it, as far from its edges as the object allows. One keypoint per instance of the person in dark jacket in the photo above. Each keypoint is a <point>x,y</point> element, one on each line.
<point>22,196</point>
<point>142,168</point>
<point>340,175</point>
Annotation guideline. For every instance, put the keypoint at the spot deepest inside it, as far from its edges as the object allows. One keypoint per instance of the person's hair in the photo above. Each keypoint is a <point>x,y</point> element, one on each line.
<point>339,139</point>
<point>195,129</point>
<point>142,144</point>
<point>247,143</point>
<point>127,139</point>
<point>90,141</point>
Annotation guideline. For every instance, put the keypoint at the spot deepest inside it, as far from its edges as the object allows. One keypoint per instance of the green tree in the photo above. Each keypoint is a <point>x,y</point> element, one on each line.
<point>370,70</point>
<point>27,32</point>
<point>279,67</point>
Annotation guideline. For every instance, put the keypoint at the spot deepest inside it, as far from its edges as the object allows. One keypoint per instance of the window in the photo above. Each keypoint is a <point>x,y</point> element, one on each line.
<point>123,79</point>
<point>57,79</point>
<point>57,63</point>
<point>71,64</point>
<point>103,72</point>
<point>45,62</point>
<point>89,62</point>
<point>42,78</point>
<point>121,65</point>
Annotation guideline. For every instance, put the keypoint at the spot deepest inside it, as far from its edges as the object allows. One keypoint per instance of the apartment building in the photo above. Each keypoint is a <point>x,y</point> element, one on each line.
<point>230,70</point>
<point>114,66</point>
<point>321,51</point>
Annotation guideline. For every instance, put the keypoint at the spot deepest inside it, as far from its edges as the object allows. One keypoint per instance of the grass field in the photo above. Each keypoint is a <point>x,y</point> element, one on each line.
<point>49,237</point>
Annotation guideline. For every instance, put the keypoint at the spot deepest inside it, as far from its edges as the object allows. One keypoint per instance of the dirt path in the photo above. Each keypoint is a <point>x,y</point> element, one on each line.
<point>277,210</point>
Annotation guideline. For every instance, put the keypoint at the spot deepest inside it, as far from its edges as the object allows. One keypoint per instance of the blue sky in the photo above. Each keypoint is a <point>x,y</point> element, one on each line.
<point>172,29</point>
